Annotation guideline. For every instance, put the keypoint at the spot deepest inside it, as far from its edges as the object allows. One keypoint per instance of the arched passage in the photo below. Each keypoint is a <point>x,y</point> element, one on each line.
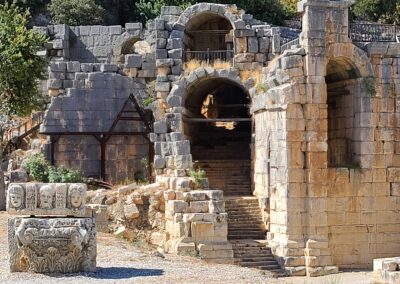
<point>208,37</point>
<point>341,79</point>
<point>218,125</point>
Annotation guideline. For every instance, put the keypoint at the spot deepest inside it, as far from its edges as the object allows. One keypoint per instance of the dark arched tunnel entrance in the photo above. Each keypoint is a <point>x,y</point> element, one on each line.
<point>218,125</point>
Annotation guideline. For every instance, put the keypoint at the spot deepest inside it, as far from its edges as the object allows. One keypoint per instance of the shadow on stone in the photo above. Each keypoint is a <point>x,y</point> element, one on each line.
<point>123,273</point>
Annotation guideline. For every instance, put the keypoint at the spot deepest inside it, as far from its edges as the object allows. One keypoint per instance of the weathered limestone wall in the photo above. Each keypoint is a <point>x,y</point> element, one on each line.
<point>92,44</point>
<point>334,216</point>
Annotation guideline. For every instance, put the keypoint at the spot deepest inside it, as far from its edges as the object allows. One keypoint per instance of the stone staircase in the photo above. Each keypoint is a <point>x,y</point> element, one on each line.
<point>246,232</point>
<point>254,254</point>
<point>232,176</point>
<point>245,220</point>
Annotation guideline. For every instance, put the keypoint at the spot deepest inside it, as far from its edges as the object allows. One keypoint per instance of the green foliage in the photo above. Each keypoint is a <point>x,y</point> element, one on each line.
<point>148,101</point>
<point>369,83</point>
<point>40,170</point>
<point>63,175</point>
<point>20,67</point>
<point>383,11</point>
<point>197,174</point>
<point>38,167</point>
<point>76,12</point>
<point>271,11</point>
<point>261,88</point>
<point>143,177</point>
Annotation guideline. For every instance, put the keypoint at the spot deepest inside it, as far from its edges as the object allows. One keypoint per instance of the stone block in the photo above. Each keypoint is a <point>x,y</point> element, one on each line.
<point>52,245</point>
<point>180,147</point>
<point>18,176</point>
<point>159,162</point>
<point>183,162</point>
<point>115,30</point>
<point>263,44</point>
<point>46,199</point>
<point>199,207</point>
<point>216,206</point>
<point>177,206</point>
<point>196,195</point>
<point>215,195</point>
<point>252,44</point>
<point>175,53</point>
<point>160,127</point>
<point>202,231</point>
<point>174,43</point>
<point>133,61</point>
<point>73,66</point>
<point>108,68</point>
<point>131,212</point>
<point>133,26</point>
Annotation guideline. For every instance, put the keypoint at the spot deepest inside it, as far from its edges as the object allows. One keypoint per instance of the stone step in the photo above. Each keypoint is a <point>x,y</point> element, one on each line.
<point>248,258</point>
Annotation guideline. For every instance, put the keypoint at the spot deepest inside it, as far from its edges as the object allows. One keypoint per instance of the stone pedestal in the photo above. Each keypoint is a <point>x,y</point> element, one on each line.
<point>44,245</point>
<point>196,223</point>
<point>54,239</point>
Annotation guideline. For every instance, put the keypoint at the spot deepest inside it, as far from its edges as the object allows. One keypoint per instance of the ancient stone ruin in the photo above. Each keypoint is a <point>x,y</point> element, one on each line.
<point>295,127</point>
<point>55,237</point>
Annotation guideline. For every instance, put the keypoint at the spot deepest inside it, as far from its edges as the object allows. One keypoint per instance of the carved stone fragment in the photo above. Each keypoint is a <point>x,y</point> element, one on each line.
<point>62,199</point>
<point>56,245</point>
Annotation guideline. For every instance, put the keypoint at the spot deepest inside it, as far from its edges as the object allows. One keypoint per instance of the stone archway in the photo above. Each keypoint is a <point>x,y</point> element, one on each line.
<point>218,125</point>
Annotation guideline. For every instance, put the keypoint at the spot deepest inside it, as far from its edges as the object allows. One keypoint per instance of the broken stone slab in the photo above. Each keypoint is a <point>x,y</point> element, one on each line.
<point>56,245</point>
<point>46,199</point>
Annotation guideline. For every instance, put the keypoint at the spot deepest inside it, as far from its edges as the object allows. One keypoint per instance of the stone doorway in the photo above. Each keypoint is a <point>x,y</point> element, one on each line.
<point>218,124</point>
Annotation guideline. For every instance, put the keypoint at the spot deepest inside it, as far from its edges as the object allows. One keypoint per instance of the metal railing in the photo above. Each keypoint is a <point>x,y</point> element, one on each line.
<point>24,128</point>
<point>364,32</point>
<point>209,55</point>
<point>288,45</point>
<point>361,32</point>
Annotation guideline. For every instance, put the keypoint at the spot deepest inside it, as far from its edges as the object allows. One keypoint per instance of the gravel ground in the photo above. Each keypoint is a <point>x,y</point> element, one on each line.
<point>120,262</point>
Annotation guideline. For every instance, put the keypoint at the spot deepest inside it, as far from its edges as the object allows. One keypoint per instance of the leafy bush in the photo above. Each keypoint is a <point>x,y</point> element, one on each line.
<point>20,67</point>
<point>38,167</point>
<point>40,170</point>
<point>76,12</point>
<point>63,175</point>
<point>197,174</point>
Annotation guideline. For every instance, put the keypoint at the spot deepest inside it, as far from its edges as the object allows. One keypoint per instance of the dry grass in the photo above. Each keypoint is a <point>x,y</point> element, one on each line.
<point>193,64</point>
<point>233,9</point>
<point>219,64</point>
<point>256,75</point>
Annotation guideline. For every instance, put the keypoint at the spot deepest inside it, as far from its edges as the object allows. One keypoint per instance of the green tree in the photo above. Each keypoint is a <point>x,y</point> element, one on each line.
<point>384,11</point>
<point>76,12</point>
<point>271,11</point>
<point>20,67</point>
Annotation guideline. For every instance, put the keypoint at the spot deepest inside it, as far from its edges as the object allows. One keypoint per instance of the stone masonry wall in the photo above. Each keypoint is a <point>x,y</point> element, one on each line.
<point>324,216</point>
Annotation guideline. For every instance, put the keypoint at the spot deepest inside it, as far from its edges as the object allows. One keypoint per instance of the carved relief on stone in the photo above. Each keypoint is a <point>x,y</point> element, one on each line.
<point>15,197</point>
<point>52,245</point>
<point>31,197</point>
<point>46,199</point>
<point>76,197</point>
<point>61,196</point>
